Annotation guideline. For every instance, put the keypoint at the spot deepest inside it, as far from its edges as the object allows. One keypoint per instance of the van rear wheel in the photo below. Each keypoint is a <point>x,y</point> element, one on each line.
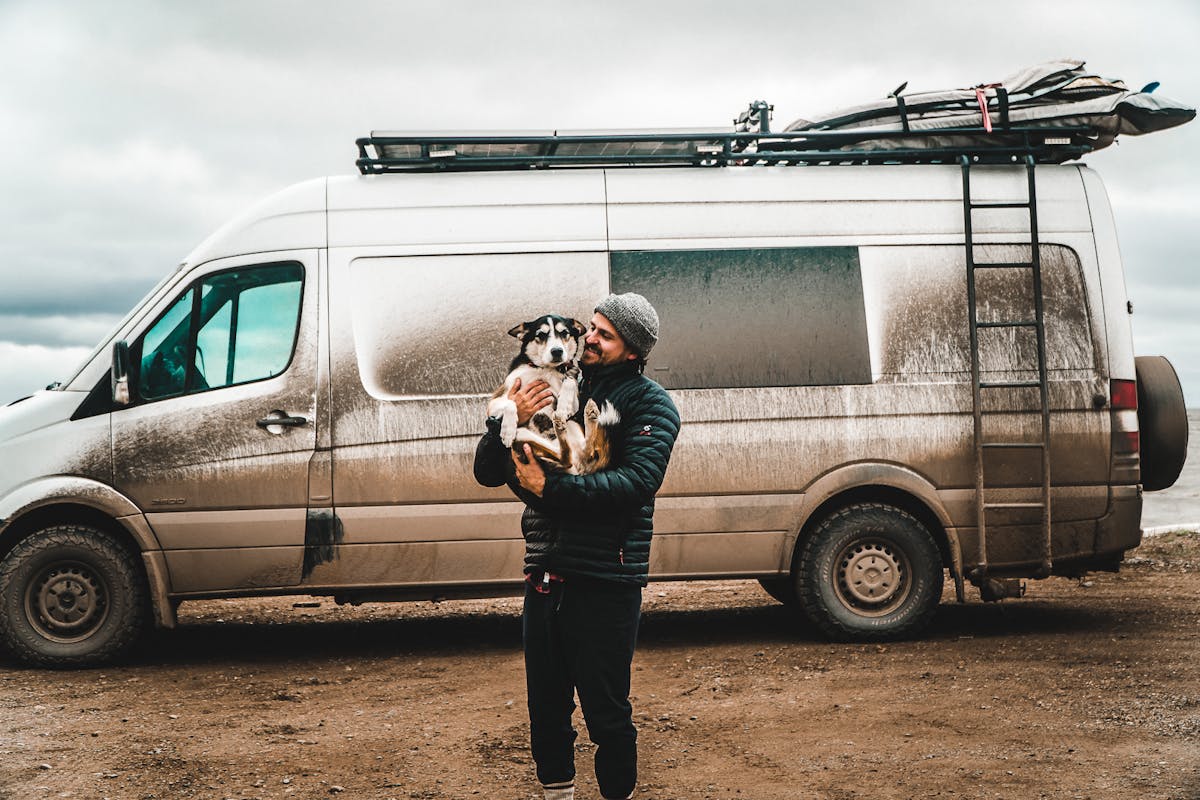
<point>70,596</point>
<point>870,572</point>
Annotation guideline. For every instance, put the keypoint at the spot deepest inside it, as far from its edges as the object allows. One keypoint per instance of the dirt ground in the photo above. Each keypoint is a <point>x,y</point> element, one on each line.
<point>1082,689</point>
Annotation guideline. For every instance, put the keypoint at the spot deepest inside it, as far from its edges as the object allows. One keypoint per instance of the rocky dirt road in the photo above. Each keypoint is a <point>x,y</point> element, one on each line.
<point>1080,690</point>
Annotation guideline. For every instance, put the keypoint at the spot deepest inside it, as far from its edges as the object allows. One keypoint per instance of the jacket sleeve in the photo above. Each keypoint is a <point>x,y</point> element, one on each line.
<point>493,464</point>
<point>648,434</point>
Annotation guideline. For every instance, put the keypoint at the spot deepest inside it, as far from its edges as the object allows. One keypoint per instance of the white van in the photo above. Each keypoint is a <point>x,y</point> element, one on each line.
<point>874,390</point>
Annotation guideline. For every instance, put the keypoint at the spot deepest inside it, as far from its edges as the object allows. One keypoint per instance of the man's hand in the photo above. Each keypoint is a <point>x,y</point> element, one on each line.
<point>529,400</point>
<point>530,474</point>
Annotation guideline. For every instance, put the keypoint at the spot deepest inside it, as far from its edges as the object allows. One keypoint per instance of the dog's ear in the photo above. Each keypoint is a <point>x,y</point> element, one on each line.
<point>519,331</point>
<point>577,327</point>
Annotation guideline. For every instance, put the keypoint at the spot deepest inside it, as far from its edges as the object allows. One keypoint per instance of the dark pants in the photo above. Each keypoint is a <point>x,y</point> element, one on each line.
<point>580,636</point>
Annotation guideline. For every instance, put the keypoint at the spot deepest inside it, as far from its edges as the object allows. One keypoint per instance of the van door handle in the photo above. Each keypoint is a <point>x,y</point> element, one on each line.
<point>282,419</point>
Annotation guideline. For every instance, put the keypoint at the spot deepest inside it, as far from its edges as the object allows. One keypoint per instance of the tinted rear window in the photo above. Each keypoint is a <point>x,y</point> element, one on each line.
<point>752,317</point>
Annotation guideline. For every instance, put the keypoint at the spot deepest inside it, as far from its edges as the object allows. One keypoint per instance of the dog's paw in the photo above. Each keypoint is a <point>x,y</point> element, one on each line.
<point>508,431</point>
<point>591,412</point>
<point>568,398</point>
<point>506,410</point>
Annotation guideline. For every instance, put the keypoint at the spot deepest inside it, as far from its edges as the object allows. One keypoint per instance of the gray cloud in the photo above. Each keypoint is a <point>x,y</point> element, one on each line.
<point>56,330</point>
<point>87,293</point>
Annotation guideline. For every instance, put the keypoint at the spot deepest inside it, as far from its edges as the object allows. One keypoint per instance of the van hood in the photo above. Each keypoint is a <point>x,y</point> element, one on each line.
<point>38,439</point>
<point>36,412</point>
<point>45,453</point>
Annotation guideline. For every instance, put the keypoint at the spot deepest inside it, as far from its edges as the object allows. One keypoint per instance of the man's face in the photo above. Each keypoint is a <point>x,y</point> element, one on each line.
<point>603,345</point>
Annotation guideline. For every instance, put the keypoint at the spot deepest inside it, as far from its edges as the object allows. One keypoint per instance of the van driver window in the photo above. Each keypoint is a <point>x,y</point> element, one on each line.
<point>229,328</point>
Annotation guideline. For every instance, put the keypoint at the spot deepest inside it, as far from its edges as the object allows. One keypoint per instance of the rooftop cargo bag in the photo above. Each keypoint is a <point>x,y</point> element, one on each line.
<point>1057,94</point>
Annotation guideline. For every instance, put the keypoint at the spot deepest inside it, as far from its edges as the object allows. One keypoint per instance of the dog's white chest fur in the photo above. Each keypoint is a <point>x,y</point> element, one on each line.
<point>528,373</point>
<point>564,388</point>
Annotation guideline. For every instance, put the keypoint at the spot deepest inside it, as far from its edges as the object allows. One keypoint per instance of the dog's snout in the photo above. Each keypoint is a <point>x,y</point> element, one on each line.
<point>556,353</point>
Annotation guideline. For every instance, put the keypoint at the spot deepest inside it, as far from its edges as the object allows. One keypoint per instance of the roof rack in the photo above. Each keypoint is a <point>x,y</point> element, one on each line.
<point>515,150</point>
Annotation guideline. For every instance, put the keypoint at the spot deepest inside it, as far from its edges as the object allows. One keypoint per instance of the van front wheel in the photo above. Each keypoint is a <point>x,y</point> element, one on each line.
<point>70,596</point>
<point>870,572</point>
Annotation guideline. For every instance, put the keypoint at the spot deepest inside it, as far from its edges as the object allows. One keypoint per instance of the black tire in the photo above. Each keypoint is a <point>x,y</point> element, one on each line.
<point>71,596</point>
<point>1162,422</point>
<point>782,589</point>
<point>869,573</point>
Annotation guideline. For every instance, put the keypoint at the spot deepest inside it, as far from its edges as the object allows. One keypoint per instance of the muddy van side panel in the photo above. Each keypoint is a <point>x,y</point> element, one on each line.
<point>426,267</point>
<point>427,273</point>
<point>914,409</point>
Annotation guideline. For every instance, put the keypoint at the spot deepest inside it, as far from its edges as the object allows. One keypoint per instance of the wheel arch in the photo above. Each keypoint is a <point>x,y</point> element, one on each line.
<point>879,483</point>
<point>71,499</point>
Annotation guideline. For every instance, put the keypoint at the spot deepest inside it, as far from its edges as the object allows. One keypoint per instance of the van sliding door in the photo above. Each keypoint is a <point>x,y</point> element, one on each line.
<point>420,343</point>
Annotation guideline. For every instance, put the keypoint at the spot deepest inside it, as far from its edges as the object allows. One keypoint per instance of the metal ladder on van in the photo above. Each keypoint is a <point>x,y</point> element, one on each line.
<point>983,504</point>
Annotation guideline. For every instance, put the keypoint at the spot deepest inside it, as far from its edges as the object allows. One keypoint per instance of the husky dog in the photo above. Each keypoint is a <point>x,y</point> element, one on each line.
<point>549,346</point>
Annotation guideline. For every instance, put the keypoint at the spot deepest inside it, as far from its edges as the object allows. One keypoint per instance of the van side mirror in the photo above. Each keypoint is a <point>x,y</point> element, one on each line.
<point>120,373</point>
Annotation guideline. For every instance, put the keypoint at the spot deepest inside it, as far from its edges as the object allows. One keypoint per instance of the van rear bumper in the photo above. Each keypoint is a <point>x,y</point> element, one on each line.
<point>1120,529</point>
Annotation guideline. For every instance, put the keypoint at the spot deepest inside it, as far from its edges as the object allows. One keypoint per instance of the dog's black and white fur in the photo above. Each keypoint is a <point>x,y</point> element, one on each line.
<point>550,345</point>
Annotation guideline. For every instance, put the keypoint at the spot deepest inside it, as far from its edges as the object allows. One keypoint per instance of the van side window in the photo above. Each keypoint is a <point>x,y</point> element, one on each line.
<point>228,328</point>
<point>919,329</point>
<point>790,316</point>
<point>436,325</point>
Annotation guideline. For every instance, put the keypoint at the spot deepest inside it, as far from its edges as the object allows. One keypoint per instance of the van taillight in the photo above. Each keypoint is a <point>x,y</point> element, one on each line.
<point>1126,441</point>
<point>1124,395</point>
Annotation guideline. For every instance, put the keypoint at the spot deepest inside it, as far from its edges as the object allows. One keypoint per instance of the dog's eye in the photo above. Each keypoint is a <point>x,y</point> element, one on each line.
<point>542,336</point>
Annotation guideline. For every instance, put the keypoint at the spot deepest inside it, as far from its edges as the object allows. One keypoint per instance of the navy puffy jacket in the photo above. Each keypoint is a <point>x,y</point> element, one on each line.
<point>597,525</point>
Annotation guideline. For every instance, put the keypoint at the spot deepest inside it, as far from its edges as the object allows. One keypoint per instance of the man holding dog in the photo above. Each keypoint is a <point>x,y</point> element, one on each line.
<point>587,552</point>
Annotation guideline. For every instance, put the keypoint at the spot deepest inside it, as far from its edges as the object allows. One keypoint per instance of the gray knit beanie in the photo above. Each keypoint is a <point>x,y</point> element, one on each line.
<point>634,318</point>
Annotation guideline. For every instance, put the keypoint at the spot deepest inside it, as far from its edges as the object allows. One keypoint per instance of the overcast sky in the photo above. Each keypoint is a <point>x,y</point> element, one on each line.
<point>130,130</point>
